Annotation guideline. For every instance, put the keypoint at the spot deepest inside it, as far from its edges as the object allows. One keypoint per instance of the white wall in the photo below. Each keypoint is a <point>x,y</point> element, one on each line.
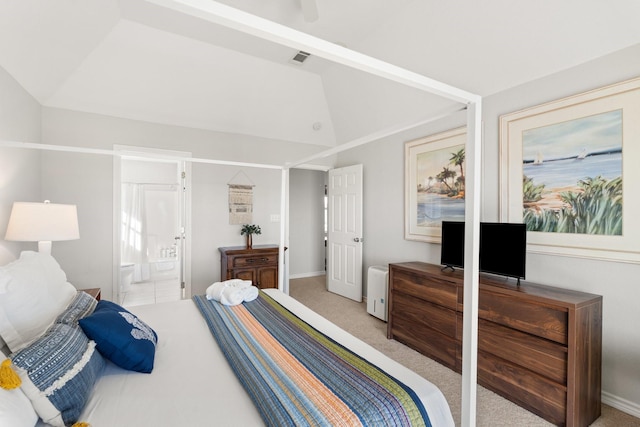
<point>19,169</point>
<point>618,283</point>
<point>210,217</point>
<point>306,223</point>
<point>87,180</point>
<point>65,127</point>
<point>84,180</point>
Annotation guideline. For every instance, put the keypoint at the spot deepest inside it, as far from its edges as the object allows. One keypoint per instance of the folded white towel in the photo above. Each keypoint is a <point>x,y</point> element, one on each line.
<point>214,292</point>
<point>232,296</point>
<point>225,294</point>
<point>239,283</point>
<point>250,293</point>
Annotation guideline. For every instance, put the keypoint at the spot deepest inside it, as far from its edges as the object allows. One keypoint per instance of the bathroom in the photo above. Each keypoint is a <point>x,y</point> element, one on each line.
<point>151,232</point>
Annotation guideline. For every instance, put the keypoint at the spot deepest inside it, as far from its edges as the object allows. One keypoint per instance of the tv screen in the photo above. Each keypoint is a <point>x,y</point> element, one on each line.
<point>452,252</point>
<point>503,248</point>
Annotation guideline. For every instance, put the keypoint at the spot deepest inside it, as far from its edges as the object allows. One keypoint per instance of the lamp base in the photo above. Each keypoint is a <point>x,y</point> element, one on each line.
<point>44,246</point>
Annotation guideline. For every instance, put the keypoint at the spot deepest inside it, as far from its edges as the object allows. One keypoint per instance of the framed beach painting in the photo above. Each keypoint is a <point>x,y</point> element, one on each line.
<point>434,184</point>
<point>570,170</point>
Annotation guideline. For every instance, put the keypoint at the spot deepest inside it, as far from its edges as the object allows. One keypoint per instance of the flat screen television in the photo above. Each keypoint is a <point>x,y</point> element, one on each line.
<point>503,249</point>
<point>452,252</point>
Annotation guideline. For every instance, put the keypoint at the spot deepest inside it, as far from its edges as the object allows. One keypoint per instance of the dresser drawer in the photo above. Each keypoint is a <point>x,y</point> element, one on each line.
<point>427,341</point>
<point>424,313</point>
<point>544,357</point>
<point>426,287</point>
<point>254,260</point>
<point>525,315</point>
<point>531,391</point>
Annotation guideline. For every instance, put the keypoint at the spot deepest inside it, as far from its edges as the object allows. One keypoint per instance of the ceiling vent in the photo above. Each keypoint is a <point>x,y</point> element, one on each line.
<point>299,57</point>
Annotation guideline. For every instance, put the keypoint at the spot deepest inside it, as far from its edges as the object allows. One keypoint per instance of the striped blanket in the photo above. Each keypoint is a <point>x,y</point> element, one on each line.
<point>296,376</point>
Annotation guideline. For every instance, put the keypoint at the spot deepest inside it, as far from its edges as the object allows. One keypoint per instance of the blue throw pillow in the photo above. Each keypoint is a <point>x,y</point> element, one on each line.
<point>121,337</point>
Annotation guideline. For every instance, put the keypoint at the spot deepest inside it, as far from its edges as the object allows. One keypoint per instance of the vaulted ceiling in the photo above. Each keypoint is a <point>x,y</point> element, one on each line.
<point>140,60</point>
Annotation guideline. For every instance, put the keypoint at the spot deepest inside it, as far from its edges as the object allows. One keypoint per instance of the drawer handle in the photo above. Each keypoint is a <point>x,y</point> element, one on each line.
<point>251,260</point>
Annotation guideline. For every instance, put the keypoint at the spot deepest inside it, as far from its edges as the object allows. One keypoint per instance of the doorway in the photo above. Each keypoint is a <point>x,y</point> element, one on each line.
<point>307,223</point>
<point>152,226</point>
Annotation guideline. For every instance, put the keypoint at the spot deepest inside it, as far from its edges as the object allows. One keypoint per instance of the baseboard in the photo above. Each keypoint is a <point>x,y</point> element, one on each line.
<point>303,275</point>
<point>621,404</point>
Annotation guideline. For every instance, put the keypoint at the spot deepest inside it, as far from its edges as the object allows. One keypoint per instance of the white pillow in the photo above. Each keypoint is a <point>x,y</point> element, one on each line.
<point>33,291</point>
<point>15,407</point>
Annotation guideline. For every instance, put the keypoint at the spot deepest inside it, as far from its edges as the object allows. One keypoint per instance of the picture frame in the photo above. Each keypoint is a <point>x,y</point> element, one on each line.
<point>592,144</point>
<point>434,184</point>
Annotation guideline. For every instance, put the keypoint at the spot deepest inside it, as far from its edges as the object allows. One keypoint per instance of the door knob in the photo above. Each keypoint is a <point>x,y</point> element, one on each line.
<point>358,239</point>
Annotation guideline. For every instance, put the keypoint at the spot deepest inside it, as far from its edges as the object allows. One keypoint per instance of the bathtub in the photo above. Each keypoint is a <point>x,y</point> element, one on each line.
<point>164,268</point>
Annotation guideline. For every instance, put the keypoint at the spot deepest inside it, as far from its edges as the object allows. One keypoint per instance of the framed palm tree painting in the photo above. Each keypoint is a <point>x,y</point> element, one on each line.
<point>434,184</point>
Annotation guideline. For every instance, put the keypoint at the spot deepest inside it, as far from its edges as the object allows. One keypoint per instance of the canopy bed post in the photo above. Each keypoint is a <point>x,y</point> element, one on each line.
<point>471,251</point>
<point>283,267</point>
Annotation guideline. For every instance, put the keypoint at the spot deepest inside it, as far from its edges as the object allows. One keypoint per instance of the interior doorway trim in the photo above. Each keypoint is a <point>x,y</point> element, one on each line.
<point>121,152</point>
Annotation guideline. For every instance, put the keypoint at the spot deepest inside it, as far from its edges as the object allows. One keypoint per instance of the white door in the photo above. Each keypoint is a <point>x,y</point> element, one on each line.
<point>344,240</point>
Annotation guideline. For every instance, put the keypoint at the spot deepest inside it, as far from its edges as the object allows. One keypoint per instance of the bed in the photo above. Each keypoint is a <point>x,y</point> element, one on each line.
<point>191,382</point>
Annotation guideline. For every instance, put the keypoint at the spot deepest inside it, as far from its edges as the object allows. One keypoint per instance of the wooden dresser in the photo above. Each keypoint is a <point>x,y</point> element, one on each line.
<point>538,346</point>
<point>259,264</point>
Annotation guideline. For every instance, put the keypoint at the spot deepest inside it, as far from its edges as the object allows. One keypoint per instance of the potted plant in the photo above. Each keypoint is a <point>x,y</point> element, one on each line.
<point>250,230</point>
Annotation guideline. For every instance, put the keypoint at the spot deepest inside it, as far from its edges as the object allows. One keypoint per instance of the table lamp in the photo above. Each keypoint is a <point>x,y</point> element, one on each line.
<point>42,223</point>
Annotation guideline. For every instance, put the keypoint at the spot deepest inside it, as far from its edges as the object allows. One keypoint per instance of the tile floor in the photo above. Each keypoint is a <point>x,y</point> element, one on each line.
<point>152,292</point>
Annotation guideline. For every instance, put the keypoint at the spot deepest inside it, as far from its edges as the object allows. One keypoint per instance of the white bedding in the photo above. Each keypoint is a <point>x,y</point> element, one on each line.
<point>192,384</point>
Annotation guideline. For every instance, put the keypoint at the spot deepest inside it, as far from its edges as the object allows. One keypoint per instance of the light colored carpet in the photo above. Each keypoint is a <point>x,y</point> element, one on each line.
<point>492,410</point>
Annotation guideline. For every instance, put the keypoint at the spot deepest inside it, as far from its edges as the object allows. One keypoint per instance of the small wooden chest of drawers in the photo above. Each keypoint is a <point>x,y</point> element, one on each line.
<point>258,264</point>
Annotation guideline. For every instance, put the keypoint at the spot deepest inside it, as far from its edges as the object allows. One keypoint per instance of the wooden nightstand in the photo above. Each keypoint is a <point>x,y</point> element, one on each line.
<point>94,292</point>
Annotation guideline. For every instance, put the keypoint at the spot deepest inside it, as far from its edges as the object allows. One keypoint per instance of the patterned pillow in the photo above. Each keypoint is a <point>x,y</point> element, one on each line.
<point>121,337</point>
<point>82,305</point>
<point>58,372</point>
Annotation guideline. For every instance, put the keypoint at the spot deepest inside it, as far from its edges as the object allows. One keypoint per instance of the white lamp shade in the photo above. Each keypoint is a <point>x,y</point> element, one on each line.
<point>34,222</point>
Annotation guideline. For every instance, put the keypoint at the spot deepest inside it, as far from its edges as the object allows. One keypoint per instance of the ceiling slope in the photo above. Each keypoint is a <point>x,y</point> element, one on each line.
<point>137,60</point>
